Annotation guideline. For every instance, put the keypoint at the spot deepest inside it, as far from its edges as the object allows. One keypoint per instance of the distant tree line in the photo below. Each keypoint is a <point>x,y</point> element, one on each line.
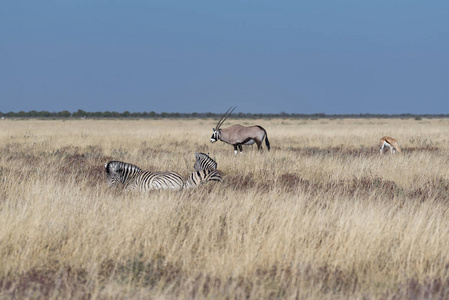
<point>81,114</point>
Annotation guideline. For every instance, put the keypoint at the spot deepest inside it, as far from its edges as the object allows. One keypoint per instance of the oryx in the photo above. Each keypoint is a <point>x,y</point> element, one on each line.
<point>238,135</point>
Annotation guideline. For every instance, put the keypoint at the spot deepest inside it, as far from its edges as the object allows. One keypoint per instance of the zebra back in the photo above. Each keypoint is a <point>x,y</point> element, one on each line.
<point>158,180</point>
<point>204,162</point>
<point>203,176</point>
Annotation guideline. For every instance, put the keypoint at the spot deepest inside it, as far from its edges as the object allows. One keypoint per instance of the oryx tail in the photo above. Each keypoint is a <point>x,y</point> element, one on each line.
<point>267,142</point>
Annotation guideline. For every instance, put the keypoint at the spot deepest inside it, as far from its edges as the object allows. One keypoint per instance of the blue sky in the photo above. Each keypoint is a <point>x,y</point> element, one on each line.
<point>334,57</point>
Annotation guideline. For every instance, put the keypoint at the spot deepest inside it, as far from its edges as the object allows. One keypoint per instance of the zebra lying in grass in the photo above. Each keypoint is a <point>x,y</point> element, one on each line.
<point>206,170</point>
<point>132,177</point>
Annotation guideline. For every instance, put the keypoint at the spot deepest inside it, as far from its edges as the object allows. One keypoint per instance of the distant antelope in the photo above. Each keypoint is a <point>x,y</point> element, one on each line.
<point>390,142</point>
<point>238,135</point>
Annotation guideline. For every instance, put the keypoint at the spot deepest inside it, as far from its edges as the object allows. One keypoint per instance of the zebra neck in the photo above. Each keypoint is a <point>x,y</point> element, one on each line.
<point>131,177</point>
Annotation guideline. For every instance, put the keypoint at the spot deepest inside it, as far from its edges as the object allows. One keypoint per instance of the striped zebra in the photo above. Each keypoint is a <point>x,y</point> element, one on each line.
<point>200,177</point>
<point>205,171</point>
<point>132,177</point>
<point>204,162</point>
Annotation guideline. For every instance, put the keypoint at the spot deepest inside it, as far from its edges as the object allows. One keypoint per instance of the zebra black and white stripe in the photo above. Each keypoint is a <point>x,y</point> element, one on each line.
<point>132,177</point>
<point>204,162</point>
<point>203,176</point>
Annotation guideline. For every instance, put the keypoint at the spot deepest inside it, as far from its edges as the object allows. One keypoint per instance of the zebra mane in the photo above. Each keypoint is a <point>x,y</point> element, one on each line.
<point>199,155</point>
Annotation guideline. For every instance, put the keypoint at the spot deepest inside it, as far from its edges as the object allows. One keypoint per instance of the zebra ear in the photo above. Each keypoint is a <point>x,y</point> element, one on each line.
<point>107,167</point>
<point>213,129</point>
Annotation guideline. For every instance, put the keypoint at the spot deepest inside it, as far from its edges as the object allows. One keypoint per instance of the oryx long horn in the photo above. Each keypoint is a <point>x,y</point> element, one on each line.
<point>225,116</point>
<point>222,117</point>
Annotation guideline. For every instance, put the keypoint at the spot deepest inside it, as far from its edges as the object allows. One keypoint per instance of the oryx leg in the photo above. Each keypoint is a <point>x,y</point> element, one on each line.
<point>235,149</point>
<point>259,145</point>
<point>240,148</point>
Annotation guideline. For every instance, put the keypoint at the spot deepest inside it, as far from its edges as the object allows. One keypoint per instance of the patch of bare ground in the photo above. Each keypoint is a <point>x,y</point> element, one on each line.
<point>291,182</point>
<point>332,151</point>
<point>67,283</point>
<point>145,273</point>
<point>82,164</point>
<point>429,149</point>
<point>243,182</point>
<point>356,152</point>
<point>272,282</point>
<point>14,152</point>
<point>437,189</point>
<point>414,289</point>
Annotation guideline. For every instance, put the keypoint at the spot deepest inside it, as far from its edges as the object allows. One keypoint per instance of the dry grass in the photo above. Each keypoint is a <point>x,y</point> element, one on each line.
<point>321,216</point>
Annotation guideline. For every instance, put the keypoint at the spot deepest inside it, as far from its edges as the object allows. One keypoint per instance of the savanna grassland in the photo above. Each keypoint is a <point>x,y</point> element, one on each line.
<point>321,216</point>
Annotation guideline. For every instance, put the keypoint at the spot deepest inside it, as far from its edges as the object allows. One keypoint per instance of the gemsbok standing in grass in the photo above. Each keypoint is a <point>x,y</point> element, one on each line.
<point>238,135</point>
<point>390,142</point>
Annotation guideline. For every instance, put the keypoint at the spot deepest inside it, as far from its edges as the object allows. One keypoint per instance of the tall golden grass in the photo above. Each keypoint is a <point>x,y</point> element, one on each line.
<point>321,216</point>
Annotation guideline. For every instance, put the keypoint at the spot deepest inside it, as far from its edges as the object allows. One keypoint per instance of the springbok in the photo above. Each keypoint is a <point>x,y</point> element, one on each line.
<point>390,142</point>
<point>238,135</point>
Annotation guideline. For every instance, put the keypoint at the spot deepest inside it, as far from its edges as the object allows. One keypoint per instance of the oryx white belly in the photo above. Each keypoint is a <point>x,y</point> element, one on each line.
<point>250,142</point>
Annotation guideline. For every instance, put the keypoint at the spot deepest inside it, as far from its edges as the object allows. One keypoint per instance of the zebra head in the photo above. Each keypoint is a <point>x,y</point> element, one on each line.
<point>114,172</point>
<point>119,172</point>
<point>204,162</point>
